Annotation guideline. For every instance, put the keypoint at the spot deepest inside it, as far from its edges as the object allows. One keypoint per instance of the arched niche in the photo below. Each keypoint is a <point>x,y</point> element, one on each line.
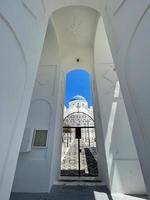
<point>39,115</point>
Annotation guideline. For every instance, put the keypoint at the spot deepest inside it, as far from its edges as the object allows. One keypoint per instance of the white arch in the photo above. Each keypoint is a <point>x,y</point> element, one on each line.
<point>58,4</point>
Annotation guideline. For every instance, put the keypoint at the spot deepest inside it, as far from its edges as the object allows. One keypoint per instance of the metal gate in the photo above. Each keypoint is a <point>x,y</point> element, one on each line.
<point>79,156</point>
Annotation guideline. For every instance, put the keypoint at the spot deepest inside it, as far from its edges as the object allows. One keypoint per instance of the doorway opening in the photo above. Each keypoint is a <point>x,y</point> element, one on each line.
<point>79,155</point>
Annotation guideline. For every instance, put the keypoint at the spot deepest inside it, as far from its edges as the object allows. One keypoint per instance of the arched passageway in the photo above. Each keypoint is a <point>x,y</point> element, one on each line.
<point>79,155</point>
<point>131,58</point>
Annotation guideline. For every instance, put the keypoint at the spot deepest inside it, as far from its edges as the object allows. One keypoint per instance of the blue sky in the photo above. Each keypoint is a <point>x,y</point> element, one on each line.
<point>78,83</point>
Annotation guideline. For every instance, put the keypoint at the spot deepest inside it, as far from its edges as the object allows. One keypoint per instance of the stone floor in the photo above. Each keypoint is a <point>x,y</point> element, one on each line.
<point>62,192</point>
<point>69,161</point>
<point>76,192</point>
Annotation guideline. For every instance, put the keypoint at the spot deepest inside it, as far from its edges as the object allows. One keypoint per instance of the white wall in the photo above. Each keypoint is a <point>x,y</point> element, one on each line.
<point>50,53</point>
<point>23,26</point>
<point>101,153</point>
<point>127,26</point>
<point>122,161</point>
<point>19,38</point>
<point>35,166</point>
<point>57,141</point>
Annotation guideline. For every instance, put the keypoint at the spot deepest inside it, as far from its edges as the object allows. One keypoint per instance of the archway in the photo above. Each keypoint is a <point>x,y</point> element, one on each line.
<point>136,98</point>
<point>79,157</point>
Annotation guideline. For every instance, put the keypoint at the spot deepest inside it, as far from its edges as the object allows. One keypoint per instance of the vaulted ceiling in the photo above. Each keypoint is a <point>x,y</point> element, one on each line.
<point>75,27</point>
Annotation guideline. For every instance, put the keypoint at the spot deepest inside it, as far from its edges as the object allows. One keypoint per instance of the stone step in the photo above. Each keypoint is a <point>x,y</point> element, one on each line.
<point>79,183</point>
<point>81,178</point>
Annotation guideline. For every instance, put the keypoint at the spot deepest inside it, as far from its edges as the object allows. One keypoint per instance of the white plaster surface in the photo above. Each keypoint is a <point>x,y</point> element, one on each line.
<point>122,161</point>
<point>34,164</point>
<point>18,71</point>
<point>23,27</point>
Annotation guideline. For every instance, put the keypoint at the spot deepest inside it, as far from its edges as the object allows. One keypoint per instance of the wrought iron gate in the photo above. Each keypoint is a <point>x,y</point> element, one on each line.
<point>81,142</point>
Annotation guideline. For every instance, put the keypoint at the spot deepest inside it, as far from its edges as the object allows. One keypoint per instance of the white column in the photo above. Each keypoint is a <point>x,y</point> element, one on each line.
<point>128,29</point>
<point>22,31</point>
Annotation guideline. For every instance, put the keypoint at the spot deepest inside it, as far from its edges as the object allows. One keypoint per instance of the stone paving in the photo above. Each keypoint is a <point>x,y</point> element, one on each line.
<point>91,163</point>
<point>78,192</point>
<point>63,192</point>
<point>69,162</point>
<point>70,159</point>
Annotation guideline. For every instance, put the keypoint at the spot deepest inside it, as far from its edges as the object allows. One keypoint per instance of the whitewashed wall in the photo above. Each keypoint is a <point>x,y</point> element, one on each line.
<point>127,26</point>
<point>35,171</point>
<point>101,153</point>
<point>23,26</point>
<point>18,40</point>
<point>123,165</point>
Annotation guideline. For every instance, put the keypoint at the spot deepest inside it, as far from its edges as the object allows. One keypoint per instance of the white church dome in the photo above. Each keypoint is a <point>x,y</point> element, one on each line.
<point>77,97</point>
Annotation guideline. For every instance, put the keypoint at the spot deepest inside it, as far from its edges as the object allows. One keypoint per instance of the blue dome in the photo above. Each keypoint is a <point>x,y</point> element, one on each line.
<point>77,97</point>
